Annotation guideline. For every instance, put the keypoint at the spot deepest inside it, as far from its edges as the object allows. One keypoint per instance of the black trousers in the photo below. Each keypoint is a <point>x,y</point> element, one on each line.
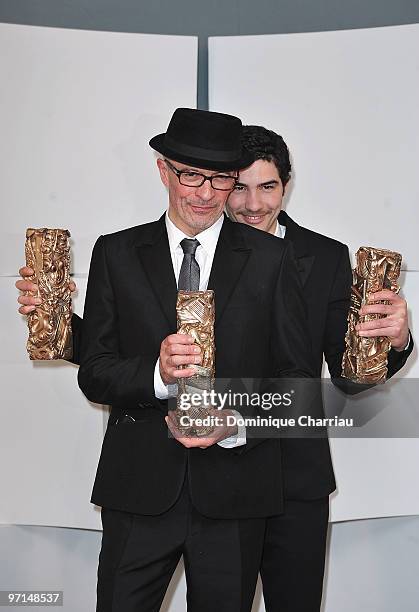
<point>140,553</point>
<point>294,556</point>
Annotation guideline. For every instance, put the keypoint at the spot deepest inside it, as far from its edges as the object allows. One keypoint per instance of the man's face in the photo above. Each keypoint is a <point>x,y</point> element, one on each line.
<point>257,197</point>
<point>192,209</point>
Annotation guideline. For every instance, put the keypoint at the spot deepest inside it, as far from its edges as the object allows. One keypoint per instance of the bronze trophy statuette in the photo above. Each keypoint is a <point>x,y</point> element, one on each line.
<point>48,254</point>
<point>365,359</point>
<point>195,316</point>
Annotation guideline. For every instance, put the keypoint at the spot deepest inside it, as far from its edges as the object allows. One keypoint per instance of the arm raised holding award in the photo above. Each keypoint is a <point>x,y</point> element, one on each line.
<point>48,255</point>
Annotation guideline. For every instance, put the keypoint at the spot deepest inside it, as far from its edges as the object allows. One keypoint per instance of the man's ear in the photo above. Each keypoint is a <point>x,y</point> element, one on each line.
<point>162,166</point>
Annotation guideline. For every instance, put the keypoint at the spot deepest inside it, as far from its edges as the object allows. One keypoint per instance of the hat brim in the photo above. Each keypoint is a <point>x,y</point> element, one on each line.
<point>157,143</point>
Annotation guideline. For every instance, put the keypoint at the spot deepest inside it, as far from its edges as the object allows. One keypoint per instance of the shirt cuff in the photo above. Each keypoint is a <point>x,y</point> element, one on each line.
<point>237,440</point>
<point>162,391</point>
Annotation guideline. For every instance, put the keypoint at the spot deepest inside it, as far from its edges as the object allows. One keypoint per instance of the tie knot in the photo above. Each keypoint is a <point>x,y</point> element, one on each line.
<point>189,245</point>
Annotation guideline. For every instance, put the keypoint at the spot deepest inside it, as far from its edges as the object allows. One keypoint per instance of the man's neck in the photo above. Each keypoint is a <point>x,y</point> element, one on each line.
<point>204,235</point>
<point>191,232</point>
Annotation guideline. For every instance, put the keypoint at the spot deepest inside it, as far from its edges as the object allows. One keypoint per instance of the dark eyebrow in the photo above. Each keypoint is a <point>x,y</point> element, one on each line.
<point>271,182</point>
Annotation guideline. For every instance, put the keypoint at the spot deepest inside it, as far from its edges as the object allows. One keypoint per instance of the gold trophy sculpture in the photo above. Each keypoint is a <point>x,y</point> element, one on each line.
<point>365,359</point>
<point>48,254</point>
<point>195,316</point>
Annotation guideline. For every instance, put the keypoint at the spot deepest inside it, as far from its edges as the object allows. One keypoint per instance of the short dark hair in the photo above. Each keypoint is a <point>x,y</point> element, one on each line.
<point>270,146</point>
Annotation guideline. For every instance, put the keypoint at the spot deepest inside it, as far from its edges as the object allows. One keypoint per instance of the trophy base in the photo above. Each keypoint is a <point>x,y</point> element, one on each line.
<point>195,390</point>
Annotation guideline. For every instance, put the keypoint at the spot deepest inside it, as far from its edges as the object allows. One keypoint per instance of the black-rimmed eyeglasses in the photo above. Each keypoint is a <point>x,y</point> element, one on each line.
<point>190,178</point>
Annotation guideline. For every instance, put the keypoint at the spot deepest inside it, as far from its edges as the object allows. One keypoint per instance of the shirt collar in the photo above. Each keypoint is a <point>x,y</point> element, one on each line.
<point>280,230</point>
<point>207,239</point>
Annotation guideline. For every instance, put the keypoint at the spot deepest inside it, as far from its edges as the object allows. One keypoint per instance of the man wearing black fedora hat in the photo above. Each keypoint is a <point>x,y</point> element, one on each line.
<point>164,496</point>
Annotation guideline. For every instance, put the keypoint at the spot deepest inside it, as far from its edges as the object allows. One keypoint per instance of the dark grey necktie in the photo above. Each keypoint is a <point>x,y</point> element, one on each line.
<point>189,272</point>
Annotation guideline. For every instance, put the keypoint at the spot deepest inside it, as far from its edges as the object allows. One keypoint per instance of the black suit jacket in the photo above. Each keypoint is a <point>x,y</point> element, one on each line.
<point>261,331</point>
<point>325,273</point>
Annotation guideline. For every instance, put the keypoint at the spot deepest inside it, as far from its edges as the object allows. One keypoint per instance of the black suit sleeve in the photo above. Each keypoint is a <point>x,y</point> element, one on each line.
<point>397,359</point>
<point>105,376</point>
<point>336,326</point>
<point>76,328</point>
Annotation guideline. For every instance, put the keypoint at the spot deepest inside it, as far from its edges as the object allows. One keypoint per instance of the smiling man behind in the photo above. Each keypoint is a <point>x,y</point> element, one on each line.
<point>295,543</point>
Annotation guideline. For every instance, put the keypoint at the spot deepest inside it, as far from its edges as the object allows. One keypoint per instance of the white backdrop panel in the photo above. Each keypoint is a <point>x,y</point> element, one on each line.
<point>379,477</point>
<point>51,435</point>
<point>346,103</point>
<point>77,109</point>
<point>375,478</point>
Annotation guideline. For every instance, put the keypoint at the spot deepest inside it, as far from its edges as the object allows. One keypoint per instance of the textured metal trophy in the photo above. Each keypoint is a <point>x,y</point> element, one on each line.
<point>195,316</point>
<point>365,359</point>
<point>48,254</point>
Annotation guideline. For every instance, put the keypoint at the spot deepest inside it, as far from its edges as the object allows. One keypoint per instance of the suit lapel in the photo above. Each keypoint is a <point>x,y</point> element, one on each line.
<point>230,257</point>
<point>304,259</point>
<point>155,258</point>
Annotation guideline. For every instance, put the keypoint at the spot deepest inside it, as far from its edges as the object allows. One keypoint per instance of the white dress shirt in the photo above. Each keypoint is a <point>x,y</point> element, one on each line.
<point>204,256</point>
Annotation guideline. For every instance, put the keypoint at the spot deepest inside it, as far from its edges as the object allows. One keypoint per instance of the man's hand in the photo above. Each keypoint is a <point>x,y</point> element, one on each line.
<point>221,431</point>
<point>28,299</point>
<point>178,350</point>
<point>394,325</point>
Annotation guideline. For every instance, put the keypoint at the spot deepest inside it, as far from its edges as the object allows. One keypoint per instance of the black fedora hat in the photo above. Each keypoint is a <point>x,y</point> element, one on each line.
<point>203,139</point>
